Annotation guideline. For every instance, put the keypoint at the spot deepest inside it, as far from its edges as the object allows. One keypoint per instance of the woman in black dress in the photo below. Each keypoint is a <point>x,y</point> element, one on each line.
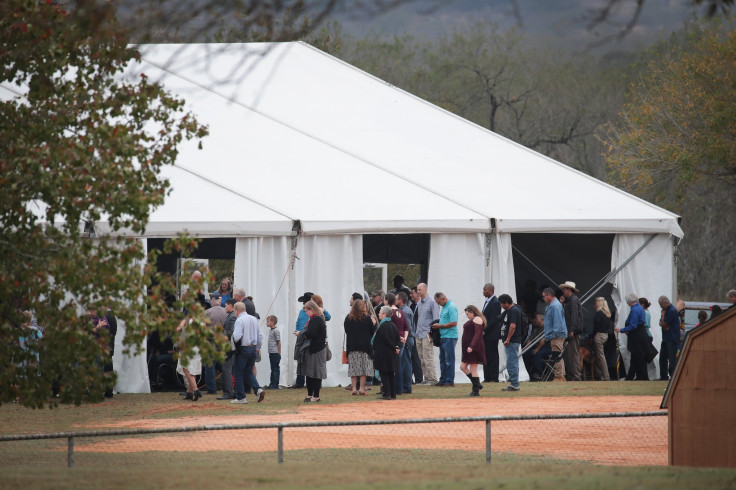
<point>359,328</point>
<point>473,347</point>
<point>386,352</point>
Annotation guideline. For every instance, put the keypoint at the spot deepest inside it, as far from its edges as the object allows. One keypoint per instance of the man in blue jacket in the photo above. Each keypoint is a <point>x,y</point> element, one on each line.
<point>635,329</point>
<point>555,329</point>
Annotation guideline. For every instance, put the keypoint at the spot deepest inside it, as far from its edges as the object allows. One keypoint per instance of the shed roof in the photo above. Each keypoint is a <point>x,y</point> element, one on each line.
<point>687,347</point>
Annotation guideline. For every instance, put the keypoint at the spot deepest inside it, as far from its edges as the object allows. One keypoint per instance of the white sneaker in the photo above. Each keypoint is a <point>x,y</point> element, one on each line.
<point>240,402</point>
<point>261,395</point>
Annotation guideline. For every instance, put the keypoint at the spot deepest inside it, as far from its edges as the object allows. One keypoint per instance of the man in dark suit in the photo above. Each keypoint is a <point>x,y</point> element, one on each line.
<point>492,333</point>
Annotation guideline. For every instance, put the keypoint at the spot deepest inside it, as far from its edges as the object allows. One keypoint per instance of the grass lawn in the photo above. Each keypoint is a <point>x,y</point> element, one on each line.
<point>42,464</point>
<point>354,469</point>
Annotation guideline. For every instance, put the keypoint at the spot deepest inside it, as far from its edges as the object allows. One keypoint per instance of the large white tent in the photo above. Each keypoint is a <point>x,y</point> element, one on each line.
<point>306,154</point>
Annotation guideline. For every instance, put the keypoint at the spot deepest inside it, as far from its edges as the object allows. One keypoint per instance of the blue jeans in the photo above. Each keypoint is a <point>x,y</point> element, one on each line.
<point>543,352</point>
<point>512,363</point>
<point>227,375</point>
<point>447,361</point>
<point>667,359</point>
<point>405,366</point>
<point>275,359</point>
<point>399,375</point>
<point>210,378</point>
<point>244,362</point>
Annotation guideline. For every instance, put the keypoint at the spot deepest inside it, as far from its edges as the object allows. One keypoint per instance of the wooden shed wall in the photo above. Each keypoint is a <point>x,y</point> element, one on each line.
<point>702,408</point>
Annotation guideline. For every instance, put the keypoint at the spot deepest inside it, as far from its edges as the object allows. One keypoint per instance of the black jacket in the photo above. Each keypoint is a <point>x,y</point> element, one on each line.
<point>358,335</point>
<point>493,324</point>
<point>316,331</point>
<point>385,358</point>
<point>229,325</point>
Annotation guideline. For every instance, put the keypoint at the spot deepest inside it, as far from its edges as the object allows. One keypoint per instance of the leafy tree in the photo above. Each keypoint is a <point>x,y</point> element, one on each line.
<point>680,120</point>
<point>80,143</point>
<point>675,143</point>
<point>543,100</point>
<point>84,144</point>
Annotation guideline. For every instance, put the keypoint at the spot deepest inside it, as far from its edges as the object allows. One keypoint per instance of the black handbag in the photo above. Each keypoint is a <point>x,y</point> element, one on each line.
<point>651,351</point>
<point>436,335</point>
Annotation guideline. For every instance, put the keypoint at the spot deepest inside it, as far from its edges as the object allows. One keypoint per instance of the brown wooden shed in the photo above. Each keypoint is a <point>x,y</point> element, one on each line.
<point>701,396</point>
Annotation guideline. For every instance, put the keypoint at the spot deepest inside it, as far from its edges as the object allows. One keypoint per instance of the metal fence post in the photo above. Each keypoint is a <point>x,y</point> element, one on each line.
<point>488,441</point>
<point>70,453</point>
<point>281,445</point>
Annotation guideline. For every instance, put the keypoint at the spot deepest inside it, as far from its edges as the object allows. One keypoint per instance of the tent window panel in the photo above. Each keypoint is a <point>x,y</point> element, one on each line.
<point>548,259</point>
<point>404,254</point>
<point>411,248</point>
<point>222,249</point>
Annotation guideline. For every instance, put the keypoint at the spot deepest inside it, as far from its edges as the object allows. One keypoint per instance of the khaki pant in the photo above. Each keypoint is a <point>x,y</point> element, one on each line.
<point>425,349</point>
<point>572,358</point>
<point>556,346</point>
<point>599,340</point>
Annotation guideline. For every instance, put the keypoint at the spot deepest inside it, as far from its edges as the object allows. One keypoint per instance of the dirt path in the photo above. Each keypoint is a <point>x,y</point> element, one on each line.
<point>635,441</point>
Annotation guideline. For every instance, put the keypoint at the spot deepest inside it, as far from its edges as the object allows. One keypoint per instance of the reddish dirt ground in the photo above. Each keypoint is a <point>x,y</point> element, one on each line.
<point>628,441</point>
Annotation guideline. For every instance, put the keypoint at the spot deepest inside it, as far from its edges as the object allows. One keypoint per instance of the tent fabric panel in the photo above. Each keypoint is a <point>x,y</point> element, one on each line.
<point>131,369</point>
<point>261,265</point>
<point>650,275</point>
<point>499,265</point>
<point>331,266</point>
<point>457,268</point>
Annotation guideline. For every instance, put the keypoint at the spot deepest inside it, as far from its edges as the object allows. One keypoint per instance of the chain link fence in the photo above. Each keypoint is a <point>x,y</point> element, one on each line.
<point>631,438</point>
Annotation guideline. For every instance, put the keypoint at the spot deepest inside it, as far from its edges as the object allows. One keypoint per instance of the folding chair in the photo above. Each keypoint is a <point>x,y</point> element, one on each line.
<point>548,363</point>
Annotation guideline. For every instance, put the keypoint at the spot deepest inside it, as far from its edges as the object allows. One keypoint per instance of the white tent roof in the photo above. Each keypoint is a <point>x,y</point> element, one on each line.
<point>299,135</point>
<point>212,210</point>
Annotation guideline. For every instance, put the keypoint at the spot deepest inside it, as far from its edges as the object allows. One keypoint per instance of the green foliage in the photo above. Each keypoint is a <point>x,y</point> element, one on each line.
<point>675,144</point>
<point>80,144</point>
<point>679,122</point>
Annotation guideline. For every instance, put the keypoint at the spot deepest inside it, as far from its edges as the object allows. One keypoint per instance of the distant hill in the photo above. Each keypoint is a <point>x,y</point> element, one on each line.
<point>561,23</point>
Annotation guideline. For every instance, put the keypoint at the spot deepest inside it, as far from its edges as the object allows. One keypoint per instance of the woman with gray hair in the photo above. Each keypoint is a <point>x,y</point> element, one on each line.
<point>635,329</point>
<point>386,352</point>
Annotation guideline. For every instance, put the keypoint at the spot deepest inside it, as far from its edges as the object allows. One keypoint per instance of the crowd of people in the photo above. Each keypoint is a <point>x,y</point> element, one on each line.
<point>389,341</point>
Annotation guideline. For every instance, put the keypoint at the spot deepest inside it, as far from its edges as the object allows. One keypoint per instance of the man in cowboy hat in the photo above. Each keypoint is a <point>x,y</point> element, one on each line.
<point>574,319</point>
